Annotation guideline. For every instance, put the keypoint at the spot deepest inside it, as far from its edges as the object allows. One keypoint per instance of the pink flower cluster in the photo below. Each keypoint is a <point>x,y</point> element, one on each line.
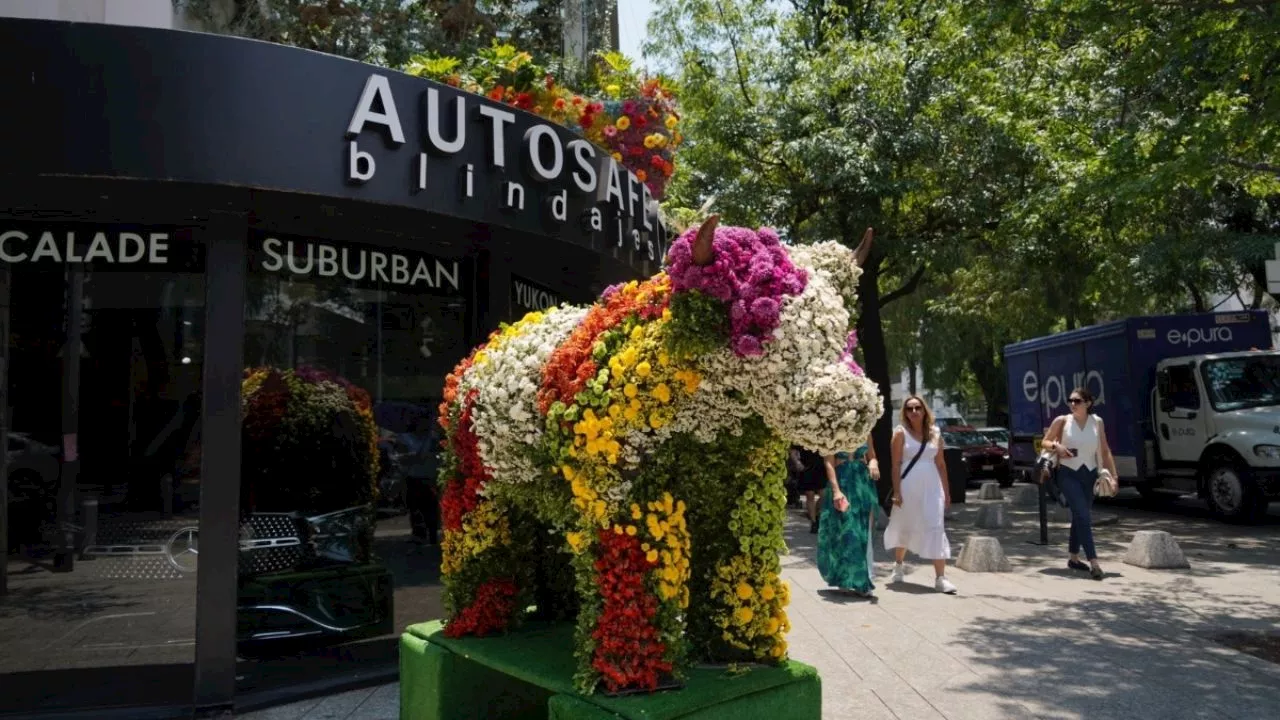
<point>751,273</point>
<point>847,356</point>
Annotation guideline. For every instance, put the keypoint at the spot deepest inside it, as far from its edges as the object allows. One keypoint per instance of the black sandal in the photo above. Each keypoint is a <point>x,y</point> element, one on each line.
<point>1095,573</point>
<point>1077,565</point>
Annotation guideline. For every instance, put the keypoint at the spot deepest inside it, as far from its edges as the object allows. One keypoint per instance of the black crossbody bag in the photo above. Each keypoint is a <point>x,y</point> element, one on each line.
<point>914,459</point>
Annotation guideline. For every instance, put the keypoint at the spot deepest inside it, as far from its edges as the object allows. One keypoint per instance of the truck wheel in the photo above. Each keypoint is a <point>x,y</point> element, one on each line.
<point>1232,494</point>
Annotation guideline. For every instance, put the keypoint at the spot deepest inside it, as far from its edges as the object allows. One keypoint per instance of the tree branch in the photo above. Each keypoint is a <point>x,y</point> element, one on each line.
<point>737,58</point>
<point>1258,166</point>
<point>905,289</point>
<point>1213,4</point>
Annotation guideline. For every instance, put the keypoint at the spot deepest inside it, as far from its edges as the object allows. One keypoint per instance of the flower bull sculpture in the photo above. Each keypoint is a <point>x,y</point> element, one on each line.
<point>623,463</point>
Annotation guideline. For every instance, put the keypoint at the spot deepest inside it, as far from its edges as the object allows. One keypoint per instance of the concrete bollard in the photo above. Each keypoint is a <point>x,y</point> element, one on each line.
<point>1026,496</point>
<point>982,554</point>
<point>992,517</point>
<point>990,491</point>
<point>1155,550</point>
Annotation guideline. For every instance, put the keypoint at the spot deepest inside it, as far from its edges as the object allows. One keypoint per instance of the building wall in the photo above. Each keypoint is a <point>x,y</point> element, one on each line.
<point>137,13</point>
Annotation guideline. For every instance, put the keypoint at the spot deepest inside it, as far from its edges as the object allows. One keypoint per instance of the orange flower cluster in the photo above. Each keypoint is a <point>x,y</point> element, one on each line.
<point>573,363</point>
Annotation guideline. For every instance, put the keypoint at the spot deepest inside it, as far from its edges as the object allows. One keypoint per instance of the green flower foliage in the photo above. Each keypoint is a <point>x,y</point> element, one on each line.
<point>699,324</point>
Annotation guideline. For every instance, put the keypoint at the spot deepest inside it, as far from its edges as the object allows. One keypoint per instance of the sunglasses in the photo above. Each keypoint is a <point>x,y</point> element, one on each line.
<point>1076,401</point>
<point>914,409</point>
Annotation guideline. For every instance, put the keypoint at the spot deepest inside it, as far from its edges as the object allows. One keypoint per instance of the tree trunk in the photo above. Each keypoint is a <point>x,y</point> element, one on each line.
<point>912,367</point>
<point>990,375</point>
<point>1197,298</point>
<point>871,338</point>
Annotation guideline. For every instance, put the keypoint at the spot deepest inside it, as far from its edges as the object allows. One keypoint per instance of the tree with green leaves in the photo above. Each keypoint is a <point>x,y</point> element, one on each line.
<point>387,32</point>
<point>828,117</point>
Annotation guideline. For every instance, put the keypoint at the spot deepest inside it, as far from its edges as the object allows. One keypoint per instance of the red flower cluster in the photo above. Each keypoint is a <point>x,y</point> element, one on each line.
<point>647,138</point>
<point>462,492</point>
<point>490,610</point>
<point>570,365</point>
<point>628,652</point>
<point>589,113</point>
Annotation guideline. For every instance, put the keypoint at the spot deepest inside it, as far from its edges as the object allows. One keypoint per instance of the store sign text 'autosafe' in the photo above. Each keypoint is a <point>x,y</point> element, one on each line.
<point>558,174</point>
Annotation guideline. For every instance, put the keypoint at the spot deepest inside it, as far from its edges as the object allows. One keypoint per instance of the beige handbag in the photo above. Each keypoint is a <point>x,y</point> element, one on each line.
<point>1106,484</point>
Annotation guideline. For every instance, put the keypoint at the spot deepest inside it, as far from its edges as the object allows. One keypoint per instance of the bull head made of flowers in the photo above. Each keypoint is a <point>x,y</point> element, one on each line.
<point>640,444</point>
<point>790,330</point>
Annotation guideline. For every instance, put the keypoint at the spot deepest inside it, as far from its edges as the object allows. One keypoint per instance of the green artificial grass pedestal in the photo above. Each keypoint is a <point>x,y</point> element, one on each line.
<point>529,674</point>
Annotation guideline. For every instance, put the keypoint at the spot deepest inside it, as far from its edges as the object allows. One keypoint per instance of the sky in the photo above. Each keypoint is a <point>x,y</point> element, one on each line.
<point>633,16</point>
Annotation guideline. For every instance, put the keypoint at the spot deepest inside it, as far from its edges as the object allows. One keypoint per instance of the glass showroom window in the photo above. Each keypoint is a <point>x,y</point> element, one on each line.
<point>346,349</point>
<point>103,330</point>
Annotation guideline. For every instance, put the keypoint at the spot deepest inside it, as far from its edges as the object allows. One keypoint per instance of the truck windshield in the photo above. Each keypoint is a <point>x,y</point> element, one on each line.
<point>1243,382</point>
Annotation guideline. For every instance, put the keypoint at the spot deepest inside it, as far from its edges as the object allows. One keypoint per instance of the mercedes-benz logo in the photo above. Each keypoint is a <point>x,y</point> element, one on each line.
<point>183,549</point>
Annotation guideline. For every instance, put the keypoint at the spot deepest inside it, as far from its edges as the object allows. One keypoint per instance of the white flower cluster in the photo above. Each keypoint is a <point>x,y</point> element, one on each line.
<point>835,262</point>
<point>506,420</point>
<point>799,385</point>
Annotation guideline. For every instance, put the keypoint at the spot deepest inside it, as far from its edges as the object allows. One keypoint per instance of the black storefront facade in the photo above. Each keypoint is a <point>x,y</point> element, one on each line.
<point>179,207</point>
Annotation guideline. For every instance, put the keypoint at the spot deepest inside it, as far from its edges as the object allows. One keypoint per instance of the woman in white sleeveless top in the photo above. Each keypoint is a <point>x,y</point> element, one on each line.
<point>1080,442</point>
<point>920,494</point>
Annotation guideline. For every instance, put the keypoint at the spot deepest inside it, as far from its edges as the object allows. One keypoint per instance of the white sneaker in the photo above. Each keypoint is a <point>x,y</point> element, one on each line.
<point>943,585</point>
<point>899,574</point>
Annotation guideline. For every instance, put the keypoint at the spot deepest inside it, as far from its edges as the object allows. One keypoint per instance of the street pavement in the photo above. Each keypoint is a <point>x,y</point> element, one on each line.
<point>1037,642</point>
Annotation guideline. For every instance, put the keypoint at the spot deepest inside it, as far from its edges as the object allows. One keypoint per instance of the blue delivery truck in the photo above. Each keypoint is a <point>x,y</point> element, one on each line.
<point>1191,403</point>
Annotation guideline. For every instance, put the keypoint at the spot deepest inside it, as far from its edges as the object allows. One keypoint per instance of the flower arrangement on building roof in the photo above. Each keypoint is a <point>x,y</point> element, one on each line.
<point>632,116</point>
<point>642,442</point>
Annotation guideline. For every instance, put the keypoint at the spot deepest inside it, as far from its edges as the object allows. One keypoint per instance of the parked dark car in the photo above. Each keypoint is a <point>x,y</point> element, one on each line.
<point>985,459</point>
<point>997,435</point>
<point>34,469</point>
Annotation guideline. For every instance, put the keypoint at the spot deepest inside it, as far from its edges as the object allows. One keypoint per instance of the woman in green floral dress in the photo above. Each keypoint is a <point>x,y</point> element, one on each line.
<point>845,550</point>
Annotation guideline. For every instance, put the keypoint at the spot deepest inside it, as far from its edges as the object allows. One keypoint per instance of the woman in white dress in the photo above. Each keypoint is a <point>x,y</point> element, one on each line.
<point>920,494</point>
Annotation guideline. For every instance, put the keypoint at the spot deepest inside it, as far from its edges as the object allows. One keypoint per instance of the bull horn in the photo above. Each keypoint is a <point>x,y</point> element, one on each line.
<point>864,248</point>
<point>704,251</point>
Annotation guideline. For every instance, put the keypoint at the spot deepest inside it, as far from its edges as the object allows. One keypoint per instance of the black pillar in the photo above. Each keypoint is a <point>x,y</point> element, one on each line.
<point>224,242</point>
<point>64,556</point>
<point>4,430</point>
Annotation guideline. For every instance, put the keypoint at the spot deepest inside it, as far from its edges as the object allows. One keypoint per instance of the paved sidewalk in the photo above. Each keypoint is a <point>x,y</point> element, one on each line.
<point>1045,642</point>
<point>1038,642</point>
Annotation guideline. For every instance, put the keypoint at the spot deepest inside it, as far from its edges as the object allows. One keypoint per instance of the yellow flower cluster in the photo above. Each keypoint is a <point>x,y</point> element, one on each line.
<point>666,545</point>
<point>753,598</point>
<point>648,380</point>
<point>594,437</point>
<point>655,140</point>
<point>586,499</point>
<point>482,528</point>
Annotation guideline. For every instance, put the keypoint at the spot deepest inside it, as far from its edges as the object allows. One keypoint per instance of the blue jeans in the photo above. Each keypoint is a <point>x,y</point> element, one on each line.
<point>1077,486</point>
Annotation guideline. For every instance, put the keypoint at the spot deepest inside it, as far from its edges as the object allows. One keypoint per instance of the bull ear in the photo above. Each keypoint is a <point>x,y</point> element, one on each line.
<point>864,248</point>
<point>703,250</point>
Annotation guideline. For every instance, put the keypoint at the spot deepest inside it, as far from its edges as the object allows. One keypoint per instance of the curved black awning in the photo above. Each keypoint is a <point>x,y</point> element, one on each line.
<point>103,101</point>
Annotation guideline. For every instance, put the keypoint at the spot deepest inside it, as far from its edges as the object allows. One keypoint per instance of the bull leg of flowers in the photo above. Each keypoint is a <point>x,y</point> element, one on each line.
<point>486,586</point>
<point>749,596</point>
<point>641,572</point>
